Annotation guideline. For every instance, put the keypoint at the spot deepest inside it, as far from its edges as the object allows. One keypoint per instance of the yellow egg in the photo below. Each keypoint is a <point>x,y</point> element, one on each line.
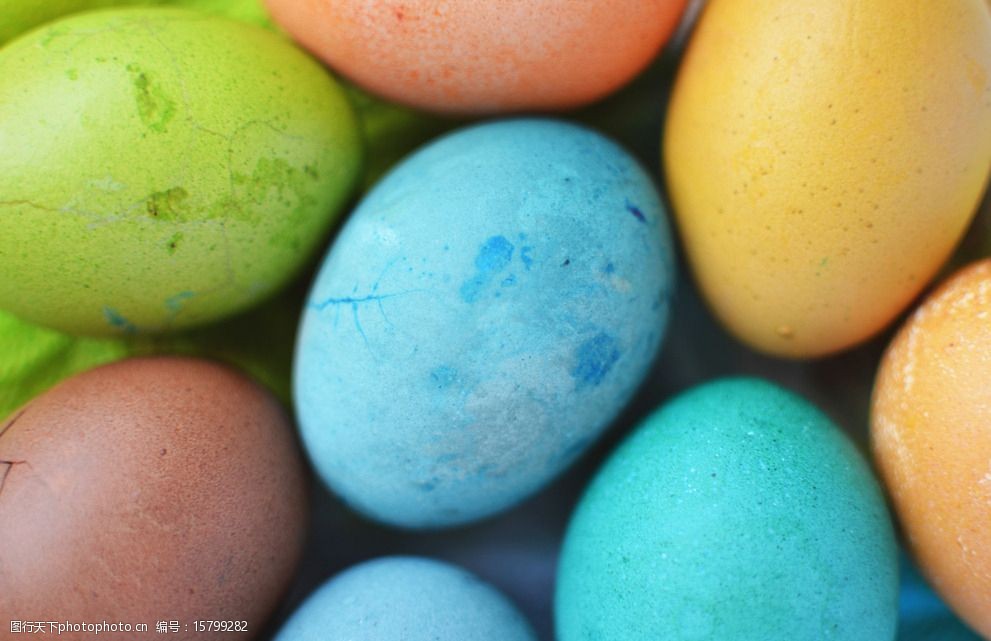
<point>824,157</point>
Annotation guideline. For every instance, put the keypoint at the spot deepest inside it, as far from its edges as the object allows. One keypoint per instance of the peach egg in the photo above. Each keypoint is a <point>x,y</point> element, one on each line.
<point>931,433</point>
<point>467,56</point>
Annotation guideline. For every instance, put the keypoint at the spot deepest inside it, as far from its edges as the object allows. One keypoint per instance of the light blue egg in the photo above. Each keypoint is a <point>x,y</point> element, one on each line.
<point>406,599</point>
<point>737,512</point>
<point>486,312</point>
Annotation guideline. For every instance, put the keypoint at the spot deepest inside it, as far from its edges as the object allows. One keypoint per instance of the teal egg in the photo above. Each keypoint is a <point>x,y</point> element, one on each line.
<point>736,512</point>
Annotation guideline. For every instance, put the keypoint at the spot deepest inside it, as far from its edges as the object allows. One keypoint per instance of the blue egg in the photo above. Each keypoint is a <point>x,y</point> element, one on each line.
<point>406,599</point>
<point>488,309</point>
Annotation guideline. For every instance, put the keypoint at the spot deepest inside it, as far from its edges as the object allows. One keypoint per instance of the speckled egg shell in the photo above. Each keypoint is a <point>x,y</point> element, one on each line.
<point>145,490</point>
<point>485,313</point>
<point>737,511</point>
<point>162,168</point>
<point>406,599</point>
<point>823,163</point>
<point>931,433</point>
<point>466,56</point>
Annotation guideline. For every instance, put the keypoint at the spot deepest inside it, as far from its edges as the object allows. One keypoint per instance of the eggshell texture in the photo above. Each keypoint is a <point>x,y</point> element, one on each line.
<point>487,310</point>
<point>162,168</point>
<point>465,56</point>
<point>737,511</point>
<point>823,159</point>
<point>931,432</point>
<point>406,599</point>
<point>145,489</point>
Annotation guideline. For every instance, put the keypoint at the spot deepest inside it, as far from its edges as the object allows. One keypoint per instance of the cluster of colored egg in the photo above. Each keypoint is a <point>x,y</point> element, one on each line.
<point>494,301</point>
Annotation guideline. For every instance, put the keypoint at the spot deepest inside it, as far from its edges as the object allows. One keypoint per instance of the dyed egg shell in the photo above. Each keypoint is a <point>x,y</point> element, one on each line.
<point>403,598</point>
<point>737,511</point>
<point>149,488</point>
<point>466,56</point>
<point>162,168</point>
<point>930,425</point>
<point>822,165</point>
<point>487,310</point>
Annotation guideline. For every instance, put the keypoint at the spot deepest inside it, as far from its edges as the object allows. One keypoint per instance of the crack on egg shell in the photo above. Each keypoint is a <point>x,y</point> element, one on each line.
<point>5,469</point>
<point>355,300</point>
<point>11,422</point>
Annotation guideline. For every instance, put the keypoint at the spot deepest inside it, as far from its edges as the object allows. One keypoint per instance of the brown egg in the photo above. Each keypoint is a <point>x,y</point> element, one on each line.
<point>159,489</point>
<point>931,432</point>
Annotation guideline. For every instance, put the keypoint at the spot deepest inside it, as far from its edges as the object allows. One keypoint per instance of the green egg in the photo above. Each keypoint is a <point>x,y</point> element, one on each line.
<point>736,512</point>
<point>162,169</point>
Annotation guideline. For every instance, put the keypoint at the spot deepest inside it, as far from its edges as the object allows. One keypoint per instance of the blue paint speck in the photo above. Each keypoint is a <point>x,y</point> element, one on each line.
<point>174,303</point>
<point>595,357</point>
<point>509,280</point>
<point>525,257</point>
<point>494,256</point>
<point>633,209</point>
<point>609,269</point>
<point>443,376</point>
<point>118,321</point>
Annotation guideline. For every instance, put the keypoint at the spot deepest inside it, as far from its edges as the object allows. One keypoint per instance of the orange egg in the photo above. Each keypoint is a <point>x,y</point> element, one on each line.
<point>483,56</point>
<point>931,433</point>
